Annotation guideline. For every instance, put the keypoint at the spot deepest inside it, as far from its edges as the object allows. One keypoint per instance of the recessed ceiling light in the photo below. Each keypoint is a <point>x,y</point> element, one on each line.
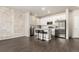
<point>43,8</point>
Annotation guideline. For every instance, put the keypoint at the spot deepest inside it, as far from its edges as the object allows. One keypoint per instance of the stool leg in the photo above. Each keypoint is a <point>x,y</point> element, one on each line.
<point>38,36</point>
<point>43,37</point>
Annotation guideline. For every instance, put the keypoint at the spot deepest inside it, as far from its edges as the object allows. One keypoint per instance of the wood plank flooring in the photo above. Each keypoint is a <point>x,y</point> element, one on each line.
<point>24,44</point>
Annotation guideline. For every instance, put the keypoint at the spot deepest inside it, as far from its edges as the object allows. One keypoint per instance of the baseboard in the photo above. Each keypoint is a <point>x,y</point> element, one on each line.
<point>74,37</point>
<point>61,37</point>
<point>11,36</point>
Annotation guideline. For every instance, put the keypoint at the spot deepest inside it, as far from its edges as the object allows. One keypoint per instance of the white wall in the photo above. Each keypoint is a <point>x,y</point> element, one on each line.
<point>13,23</point>
<point>18,23</point>
<point>27,24</point>
<point>34,20</point>
<point>70,24</point>
<point>5,22</point>
<point>74,21</point>
<point>67,23</point>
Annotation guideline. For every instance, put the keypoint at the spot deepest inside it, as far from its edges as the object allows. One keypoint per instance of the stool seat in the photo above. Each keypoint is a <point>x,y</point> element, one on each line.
<point>44,35</point>
<point>37,31</point>
<point>44,32</point>
<point>40,31</point>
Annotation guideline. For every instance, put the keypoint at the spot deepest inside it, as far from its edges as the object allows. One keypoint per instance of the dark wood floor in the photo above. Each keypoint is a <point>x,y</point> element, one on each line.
<point>24,44</point>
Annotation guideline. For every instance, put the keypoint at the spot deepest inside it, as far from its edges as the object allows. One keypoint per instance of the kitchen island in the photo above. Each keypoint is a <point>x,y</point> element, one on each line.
<point>44,33</point>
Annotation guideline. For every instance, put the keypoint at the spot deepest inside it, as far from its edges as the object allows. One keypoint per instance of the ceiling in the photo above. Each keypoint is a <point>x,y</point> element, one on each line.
<point>37,10</point>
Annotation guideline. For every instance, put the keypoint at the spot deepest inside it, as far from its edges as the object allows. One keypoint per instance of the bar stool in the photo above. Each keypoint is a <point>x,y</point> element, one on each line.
<point>44,35</point>
<point>38,31</point>
<point>41,34</point>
